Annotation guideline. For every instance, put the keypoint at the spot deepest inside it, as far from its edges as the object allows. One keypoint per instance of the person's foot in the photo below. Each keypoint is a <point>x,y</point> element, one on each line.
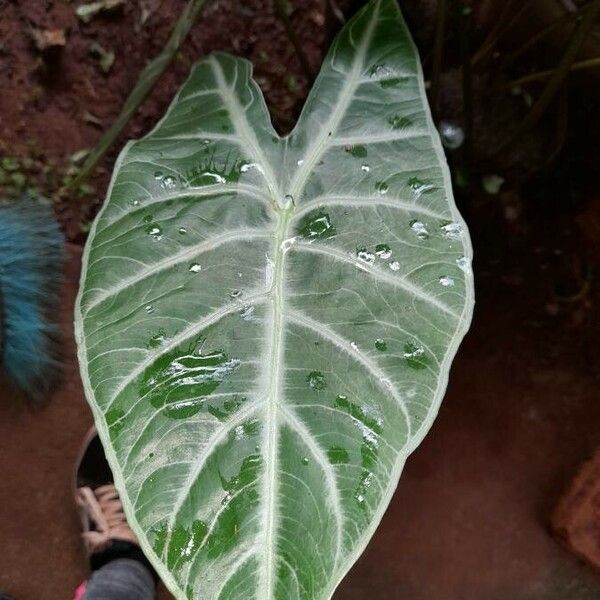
<point>106,533</point>
<point>97,499</point>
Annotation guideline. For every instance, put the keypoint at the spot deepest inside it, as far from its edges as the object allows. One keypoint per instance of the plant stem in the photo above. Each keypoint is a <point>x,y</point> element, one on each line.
<point>279,7</point>
<point>336,11</point>
<point>558,74</point>
<point>148,77</point>
<point>534,39</point>
<point>498,32</point>
<point>438,45</point>
<point>493,36</point>
<point>467,73</point>
<point>581,65</point>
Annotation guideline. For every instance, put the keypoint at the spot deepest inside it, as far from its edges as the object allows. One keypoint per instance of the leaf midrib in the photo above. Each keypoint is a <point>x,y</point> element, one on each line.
<point>315,152</point>
<point>274,359</point>
<point>312,156</point>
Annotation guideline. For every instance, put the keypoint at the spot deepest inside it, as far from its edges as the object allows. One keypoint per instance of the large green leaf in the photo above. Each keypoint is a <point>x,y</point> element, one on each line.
<point>266,324</point>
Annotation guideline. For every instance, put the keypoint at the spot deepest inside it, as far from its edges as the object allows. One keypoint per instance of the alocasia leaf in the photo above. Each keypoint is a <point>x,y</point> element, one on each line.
<point>266,324</point>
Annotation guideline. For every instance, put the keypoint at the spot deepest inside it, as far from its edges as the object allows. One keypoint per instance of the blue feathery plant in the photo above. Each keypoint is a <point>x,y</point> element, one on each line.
<point>31,268</point>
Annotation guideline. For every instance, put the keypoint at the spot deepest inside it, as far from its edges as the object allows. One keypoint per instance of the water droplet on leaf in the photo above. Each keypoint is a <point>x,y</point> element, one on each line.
<point>316,380</point>
<point>158,339</point>
<point>366,256</point>
<point>180,381</point>
<point>419,187</point>
<point>154,231</point>
<point>463,264</point>
<point>245,167</point>
<point>316,225</point>
<point>247,312</point>
<point>451,231</point>
<point>379,69</point>
<point>382,187</point>
<point>383,251</point>
<point>169,182</point>
<point>419,228</point>
<point>399,122</point>
<point>414,356</point>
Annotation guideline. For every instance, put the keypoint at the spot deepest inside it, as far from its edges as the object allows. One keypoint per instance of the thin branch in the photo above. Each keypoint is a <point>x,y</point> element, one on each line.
<point>534,39</point>
<point>569,5</point>
<point>494,34</point>
<point>148,77</point>
<point>498,32</point>
<point>438,45</point>
<point>467,73</point>
<point>581,65</point>
<point>558,75</point>
<point>336,11</point>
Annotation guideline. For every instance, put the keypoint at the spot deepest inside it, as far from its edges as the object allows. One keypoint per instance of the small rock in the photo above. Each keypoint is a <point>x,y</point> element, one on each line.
<point>492,183</point>
<point>576,520</point>
<point>48,39</point>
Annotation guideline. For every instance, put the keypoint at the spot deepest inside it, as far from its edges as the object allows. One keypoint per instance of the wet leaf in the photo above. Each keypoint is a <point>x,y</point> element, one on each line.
<point>259,381</point>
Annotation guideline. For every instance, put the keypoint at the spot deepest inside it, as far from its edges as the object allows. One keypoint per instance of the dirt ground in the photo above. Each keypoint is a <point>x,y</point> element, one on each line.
<point>55,104</point>
<point>470,518</point>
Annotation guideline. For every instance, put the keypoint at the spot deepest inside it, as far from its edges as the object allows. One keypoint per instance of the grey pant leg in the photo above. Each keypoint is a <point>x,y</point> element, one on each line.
<point>121,579</point>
